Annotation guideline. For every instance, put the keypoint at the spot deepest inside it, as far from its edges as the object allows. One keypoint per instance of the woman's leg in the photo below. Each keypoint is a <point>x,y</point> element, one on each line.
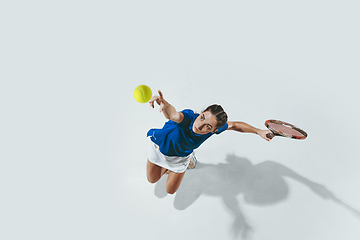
<point>173,181</point>
<point>154,172</point>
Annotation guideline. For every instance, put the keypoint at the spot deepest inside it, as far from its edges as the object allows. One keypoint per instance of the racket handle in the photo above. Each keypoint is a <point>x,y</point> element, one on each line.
<point>270,135</point>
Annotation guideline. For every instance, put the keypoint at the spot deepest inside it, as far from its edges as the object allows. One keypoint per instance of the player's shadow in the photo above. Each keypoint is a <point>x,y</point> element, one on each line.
<point>260,184</point>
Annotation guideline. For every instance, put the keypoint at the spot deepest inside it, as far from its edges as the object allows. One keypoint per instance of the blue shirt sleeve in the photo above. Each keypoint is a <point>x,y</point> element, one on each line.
<point>189,115</point>
<point>223,128</point>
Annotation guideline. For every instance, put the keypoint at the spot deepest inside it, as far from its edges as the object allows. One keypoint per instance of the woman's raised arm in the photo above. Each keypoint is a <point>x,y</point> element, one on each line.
<point>168,110</point>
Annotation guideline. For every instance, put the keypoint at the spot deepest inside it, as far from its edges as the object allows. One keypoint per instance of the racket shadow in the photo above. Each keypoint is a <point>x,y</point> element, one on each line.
<point>261,184</point>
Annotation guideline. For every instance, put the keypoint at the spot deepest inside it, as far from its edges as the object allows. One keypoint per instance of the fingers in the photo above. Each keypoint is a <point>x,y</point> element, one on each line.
<point>268,135</point>
<point>158,100</point>
<point>152,100</point>
<point>267,138</point>
<point>160,94</point>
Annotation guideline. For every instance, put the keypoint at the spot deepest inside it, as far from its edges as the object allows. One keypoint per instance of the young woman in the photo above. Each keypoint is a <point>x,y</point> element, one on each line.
<point>171,148</point>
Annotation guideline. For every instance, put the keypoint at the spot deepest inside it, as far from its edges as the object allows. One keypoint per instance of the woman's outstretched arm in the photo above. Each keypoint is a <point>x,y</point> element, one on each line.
<point>168,110</point>
<point>246,128</point>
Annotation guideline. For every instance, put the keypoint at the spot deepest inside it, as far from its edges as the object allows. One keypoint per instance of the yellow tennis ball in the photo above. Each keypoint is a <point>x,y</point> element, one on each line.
<point>142,94</point>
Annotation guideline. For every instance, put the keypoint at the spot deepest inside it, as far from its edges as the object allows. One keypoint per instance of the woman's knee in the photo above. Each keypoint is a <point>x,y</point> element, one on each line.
<point>171,190</point>
<point>173,182</point>
<point>152,179</point>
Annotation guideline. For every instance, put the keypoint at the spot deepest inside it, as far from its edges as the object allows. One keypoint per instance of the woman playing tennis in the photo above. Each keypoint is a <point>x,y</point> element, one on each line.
<point>171,148</point>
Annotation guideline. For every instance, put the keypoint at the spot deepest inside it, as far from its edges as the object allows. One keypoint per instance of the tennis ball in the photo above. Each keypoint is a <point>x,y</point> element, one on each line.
<point>142,94</point>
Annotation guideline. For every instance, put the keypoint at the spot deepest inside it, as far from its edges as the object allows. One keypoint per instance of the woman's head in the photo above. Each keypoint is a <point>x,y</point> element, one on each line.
<point>210,120</point>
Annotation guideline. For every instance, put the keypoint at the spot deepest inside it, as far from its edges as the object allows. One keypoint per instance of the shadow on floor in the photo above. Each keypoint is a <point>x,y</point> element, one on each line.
<point>261,184</point>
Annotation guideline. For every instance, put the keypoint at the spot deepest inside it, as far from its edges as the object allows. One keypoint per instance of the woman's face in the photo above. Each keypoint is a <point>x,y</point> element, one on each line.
<point>205,123</point>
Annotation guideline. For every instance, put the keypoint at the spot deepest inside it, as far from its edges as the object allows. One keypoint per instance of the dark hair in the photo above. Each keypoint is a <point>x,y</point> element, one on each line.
<point>219,113</point>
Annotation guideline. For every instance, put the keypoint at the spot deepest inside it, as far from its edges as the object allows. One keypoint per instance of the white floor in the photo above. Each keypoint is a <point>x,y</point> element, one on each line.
<point>73,139</point>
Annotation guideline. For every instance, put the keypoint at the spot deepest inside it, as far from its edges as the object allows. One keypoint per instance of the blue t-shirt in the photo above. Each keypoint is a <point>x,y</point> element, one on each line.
<point>178,139</point>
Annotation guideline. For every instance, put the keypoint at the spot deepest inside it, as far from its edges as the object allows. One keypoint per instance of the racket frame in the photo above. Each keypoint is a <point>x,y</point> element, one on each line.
<point>275,132</point>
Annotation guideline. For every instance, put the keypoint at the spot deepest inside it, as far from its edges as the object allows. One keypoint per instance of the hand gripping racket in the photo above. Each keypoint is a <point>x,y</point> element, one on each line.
<point>284,129</point>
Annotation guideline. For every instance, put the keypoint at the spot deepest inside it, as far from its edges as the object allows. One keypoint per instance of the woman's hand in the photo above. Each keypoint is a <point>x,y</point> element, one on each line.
<point>166,108</point>
<point>262,133</point>
<point>159,100</point>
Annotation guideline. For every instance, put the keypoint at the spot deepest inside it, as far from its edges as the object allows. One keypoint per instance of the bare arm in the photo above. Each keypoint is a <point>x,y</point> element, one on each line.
<point>246,128</point>
<point>168,110</point>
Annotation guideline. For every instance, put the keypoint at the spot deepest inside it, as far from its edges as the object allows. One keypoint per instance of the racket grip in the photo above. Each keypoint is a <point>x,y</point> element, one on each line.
<point>270,135</point>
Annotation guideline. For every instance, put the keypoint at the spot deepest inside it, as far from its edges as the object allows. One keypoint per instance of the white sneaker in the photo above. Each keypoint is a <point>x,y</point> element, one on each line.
<point>193,161</point>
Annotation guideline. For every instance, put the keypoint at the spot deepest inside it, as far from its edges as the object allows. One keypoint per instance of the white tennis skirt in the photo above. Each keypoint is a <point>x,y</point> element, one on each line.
<point>173,163</point>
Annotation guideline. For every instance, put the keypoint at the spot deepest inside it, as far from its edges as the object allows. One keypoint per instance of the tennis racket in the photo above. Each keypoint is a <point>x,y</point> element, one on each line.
<point>284,129</point>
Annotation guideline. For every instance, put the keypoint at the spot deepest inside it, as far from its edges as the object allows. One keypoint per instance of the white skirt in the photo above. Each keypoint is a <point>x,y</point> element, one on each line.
<point>174,163</point>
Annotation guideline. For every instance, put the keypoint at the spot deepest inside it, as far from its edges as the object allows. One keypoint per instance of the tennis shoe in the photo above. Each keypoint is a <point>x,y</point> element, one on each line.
<point>193,161</point>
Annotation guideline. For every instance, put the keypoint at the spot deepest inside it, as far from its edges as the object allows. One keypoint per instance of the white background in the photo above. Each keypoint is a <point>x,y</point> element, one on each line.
<point>73,139</point>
